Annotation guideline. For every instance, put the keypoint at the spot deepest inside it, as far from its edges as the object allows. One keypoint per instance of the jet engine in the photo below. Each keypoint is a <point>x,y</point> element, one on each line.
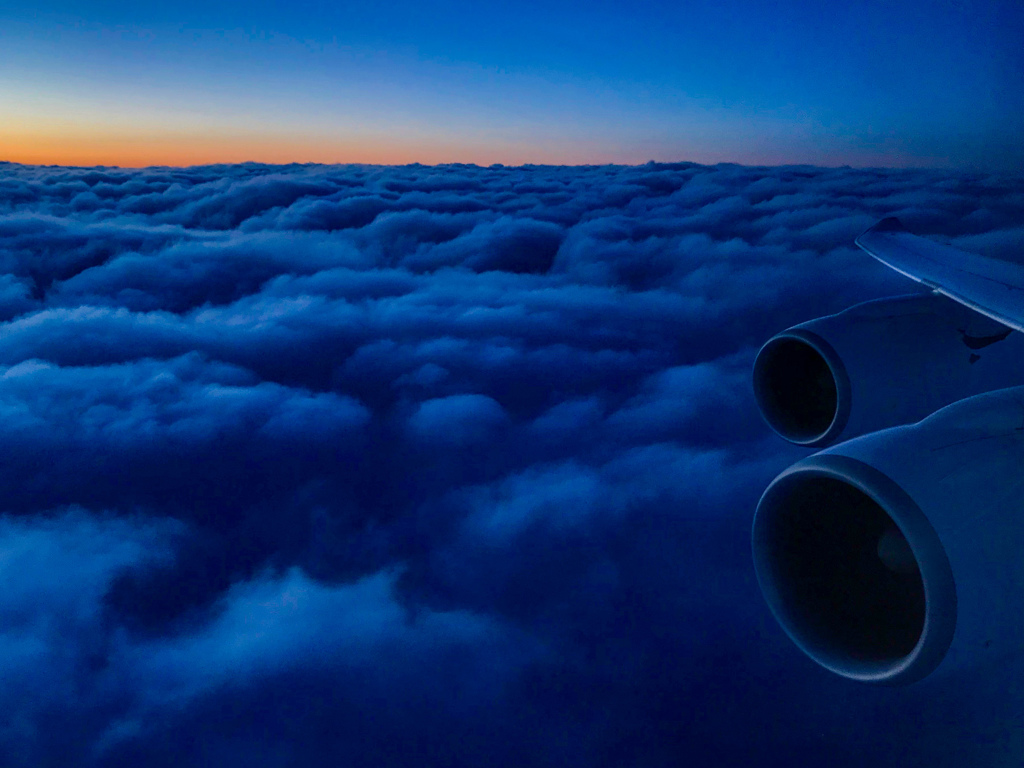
<point>893,552</point>
<point>878,364</point>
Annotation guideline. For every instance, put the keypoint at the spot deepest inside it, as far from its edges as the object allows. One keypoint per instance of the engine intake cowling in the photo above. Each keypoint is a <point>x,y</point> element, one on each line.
<point>879,364</point>
<point>894,552</point>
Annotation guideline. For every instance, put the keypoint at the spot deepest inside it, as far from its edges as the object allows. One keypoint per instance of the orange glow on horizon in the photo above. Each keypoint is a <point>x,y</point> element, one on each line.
<point>151,148</point>
<point>77,145</point>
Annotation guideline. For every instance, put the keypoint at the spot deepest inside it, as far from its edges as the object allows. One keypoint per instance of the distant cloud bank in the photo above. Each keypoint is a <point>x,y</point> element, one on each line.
<point>452,465</point>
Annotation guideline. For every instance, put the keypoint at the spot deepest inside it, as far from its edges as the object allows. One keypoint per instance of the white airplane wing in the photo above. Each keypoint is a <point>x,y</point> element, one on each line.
<point>992,287</point>
<point>920,486</point>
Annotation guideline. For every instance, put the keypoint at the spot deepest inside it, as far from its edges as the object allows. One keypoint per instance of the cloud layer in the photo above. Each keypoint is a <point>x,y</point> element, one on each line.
<point>449,465</point>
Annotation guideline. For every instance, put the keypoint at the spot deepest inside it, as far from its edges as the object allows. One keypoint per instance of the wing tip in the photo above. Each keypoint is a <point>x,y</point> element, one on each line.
<point>888,225</point>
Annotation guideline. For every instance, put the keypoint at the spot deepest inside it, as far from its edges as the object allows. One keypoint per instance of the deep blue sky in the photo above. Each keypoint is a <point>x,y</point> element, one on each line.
<point>923,82</point>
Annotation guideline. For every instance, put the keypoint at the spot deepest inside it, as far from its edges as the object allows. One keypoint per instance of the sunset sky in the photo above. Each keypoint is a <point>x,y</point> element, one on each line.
<point>428,437</point>
<point>918,83</point>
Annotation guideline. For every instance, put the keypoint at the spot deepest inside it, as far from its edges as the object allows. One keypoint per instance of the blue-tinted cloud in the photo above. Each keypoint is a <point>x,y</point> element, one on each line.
<point>454,465</point>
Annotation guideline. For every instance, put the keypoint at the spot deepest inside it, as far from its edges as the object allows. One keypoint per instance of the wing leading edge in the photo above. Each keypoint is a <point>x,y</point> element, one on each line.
<point>992,287</point>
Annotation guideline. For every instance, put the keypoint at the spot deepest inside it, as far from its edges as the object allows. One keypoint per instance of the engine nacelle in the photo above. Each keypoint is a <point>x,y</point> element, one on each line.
<point>879,364</point>
<point>885,555</point>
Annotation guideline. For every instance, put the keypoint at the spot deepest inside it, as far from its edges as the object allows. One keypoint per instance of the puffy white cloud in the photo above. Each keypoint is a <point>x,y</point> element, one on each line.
<point>392,465</point>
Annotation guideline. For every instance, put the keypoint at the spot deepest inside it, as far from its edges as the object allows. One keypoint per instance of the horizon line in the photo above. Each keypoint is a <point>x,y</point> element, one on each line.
<point>499,165</point>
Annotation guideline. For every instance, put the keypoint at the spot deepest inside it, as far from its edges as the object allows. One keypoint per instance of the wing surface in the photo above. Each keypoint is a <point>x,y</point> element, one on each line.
<point>992,287</point>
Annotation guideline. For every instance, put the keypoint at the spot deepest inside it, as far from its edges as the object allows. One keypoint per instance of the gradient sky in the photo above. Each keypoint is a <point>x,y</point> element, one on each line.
<point>860,82</point>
